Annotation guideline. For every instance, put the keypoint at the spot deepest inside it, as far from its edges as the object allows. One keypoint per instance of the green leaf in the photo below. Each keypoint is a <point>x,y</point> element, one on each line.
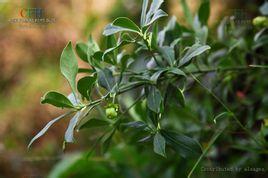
<point>69,134</point>
<point>154,99</point>
<point>181,97</point>
<point>158,14</point>
<point>228,114</point>
<point>92,123</point>
<point>157,74</point>
<point>81,50</point>
<point>175,42</point>
<point>111,29</point>
<point>187,12</point>
<point>154,12</point>
<point>176,71</point>
<point>183,145</point>
<point>83,70</point>
<point>106,140</point>
<point>111,41</point>
<point>111,50</point>
<point>93,47</point>
<point>192,52</point>
<point>143,12</point>
<point>160,144</point>
<point>168,54</point>
<point>85,85</point>
<point>56,99</point>
<point>125,22</point>
<point>97,59</point>
<point>121,24</point>
<point>45,129</point>
<point>154,42</point>
<point>69,66</point>
<point>204,12</point>
<point>135,125</point>
<point>106,79</point>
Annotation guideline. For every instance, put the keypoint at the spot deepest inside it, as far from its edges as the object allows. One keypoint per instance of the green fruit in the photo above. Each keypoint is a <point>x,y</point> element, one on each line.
<point>112,111</point>
<point>260,21</point>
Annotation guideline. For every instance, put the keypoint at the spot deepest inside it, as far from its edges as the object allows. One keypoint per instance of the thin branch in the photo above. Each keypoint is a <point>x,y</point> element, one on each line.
<point>228,110</point>
<point>211,142</point>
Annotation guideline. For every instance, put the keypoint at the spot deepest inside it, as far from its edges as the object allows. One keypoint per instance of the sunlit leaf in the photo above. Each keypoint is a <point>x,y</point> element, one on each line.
<point>154,12</point>
<point>121,24</point>
<point>45,129</point>
<point>143,13</point>
<point>69,134</point>
<point>192,52</point>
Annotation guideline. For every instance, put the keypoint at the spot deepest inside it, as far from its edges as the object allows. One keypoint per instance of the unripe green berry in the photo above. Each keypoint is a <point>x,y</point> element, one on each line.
<point>260,21</point>
<point>112,111</point>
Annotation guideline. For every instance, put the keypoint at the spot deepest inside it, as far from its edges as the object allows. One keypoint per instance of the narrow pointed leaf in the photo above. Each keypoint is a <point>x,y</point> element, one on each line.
<point>135,125</point>
<point>143,13</point>
<point>204,12</point>
<point>182,144</point>
<point>187,12</point>
<point>176,71</point>
<point>154,99</point>
<point>160,144</point>
<point>192,52</point>
<point>111,29</point>
<point>45,129</point>
<point>110,50</point>
<point>181,97</point>
<point>153,8</point>
<point>92,123</point>
<point>158,14</point>
<point>93,47</point>
<point>168,54</point>
<point>106,79</point>
<point>69,134</point>
<point>157,74</point>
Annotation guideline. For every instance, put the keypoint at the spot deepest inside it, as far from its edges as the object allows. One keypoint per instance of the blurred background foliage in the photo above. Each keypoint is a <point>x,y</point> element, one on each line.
<point>29,60</point>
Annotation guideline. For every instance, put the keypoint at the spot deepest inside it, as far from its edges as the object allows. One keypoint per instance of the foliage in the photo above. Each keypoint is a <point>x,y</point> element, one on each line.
<point>156,71</point>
